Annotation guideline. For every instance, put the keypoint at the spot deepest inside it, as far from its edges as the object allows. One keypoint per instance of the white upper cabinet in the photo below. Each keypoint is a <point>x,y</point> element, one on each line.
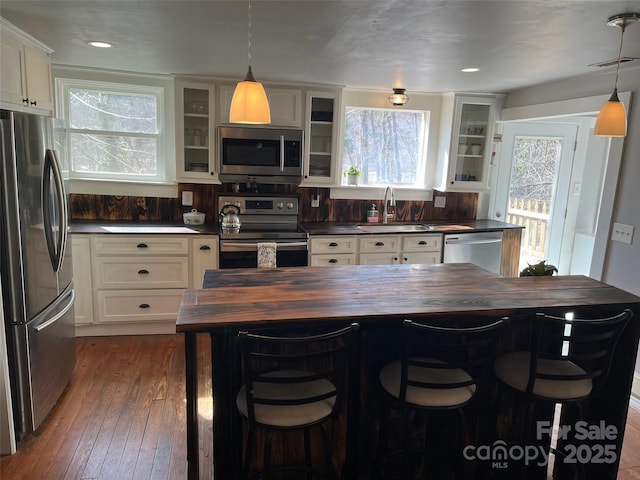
<point>465,147</point>
<point>285,105</point>
<point>195,132</point>
<point>25,71</point>
<point>321,134</point>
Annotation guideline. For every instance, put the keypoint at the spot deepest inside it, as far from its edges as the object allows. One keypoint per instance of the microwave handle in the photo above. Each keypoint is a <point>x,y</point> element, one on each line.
<point>282,153</point>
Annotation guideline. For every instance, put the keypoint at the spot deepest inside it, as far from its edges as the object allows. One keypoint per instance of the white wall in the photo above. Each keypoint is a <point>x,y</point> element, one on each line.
<point>622,261</point>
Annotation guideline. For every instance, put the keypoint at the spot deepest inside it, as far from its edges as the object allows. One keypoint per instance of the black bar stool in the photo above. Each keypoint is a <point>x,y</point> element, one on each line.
<point>442,369</point>
<point>295,383</point>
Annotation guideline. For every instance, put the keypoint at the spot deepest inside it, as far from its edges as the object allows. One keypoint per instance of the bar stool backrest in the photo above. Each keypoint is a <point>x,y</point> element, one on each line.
<point>327,360</point>
<point>588,343</point>
<point>448,348</point>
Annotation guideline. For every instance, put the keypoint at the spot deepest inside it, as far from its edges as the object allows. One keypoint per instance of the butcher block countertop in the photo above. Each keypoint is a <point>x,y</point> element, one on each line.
<point>241,297</point>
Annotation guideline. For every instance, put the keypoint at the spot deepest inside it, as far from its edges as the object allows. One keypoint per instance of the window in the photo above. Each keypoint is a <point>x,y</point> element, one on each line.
<point>116,133</point>
<point>387,146</point>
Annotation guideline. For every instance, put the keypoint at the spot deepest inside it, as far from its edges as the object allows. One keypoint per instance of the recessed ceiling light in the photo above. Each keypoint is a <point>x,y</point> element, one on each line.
<point>470,70</point>
<point>100,44</point>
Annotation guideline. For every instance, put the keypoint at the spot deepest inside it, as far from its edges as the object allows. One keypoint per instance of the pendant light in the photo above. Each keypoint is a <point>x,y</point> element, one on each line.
<point>612,119</point>
<point>249,103</point>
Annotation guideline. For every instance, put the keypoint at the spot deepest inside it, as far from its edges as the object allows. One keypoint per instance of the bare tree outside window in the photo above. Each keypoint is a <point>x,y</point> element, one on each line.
<point>387,146</point>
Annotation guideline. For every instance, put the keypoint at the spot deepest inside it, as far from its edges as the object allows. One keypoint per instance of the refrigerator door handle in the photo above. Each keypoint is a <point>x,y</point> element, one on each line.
<point>54,245</point>
<point>64,210</point>
<point>58,316</point>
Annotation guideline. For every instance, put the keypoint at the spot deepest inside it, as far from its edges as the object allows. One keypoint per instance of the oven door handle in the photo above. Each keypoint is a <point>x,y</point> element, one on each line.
<point>255,245</point>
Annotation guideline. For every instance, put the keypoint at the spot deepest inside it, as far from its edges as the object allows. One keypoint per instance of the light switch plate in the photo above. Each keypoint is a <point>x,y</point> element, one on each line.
<point>622,233</point>
<point>187,199</point>
<point>439,201</point>
<point>315,201</point>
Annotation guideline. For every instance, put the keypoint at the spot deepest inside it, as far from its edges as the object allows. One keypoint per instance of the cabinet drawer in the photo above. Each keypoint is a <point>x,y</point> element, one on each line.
<point>421,258</point>
<point>379,243</point>
<point>422,243</point>
<point>333,260</point>
<point>379,258</point>
<point>132,272</point>
<point>116,306</point>
<point>337,244</point>
<point>137,245</point>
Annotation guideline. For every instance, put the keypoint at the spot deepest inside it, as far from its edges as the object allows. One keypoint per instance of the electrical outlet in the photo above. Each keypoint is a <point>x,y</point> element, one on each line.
<point>439,201</point>
<point>622,233</point>
<point>315,201</point>
<point>187,199</point>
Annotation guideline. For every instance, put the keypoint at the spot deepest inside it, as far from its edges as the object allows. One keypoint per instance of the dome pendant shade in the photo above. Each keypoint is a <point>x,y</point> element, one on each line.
<point>249,103</point>
<point>612,119</point>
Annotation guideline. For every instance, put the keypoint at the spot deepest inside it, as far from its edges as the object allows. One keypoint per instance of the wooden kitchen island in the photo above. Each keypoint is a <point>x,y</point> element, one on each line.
<point>303,299</point>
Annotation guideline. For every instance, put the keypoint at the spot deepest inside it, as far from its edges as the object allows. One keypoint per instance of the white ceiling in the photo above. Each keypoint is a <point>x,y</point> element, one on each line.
<point>419,45</point>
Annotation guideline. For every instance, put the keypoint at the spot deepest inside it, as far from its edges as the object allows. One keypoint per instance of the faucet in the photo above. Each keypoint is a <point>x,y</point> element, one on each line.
<point>389,201</point>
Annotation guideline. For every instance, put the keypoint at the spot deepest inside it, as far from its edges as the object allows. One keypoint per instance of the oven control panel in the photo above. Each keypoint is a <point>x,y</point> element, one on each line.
<point>260,205</point>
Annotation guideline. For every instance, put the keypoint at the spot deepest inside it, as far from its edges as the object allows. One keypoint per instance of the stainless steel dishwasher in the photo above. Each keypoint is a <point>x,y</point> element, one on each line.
<point>482,249</point>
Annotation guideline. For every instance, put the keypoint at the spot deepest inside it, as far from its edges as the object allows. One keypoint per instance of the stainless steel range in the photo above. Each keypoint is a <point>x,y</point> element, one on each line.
<point>263,219</point>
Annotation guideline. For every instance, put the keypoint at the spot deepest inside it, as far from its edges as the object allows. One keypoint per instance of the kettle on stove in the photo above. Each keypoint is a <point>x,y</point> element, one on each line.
<point>229,218</point>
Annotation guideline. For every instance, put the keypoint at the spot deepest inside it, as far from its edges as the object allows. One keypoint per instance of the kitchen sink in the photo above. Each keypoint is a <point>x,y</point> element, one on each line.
<point>393,227</point>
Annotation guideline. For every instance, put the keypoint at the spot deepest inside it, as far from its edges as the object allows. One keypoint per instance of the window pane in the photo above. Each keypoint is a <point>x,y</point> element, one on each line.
<point>386,145</point>
<point>112,155</point>
<point>112,112</point>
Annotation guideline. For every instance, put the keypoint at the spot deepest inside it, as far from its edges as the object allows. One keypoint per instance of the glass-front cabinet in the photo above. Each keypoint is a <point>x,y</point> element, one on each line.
<point>322,120</point>
<point>466,139</point>
<point>195,137</point>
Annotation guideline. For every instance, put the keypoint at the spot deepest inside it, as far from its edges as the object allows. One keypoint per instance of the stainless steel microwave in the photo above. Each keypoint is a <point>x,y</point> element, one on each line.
<point>263,155</point>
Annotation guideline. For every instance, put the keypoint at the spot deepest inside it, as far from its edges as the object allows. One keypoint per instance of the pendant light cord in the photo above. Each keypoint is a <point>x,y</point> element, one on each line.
<point>619,55</point>
<point>249,51</point>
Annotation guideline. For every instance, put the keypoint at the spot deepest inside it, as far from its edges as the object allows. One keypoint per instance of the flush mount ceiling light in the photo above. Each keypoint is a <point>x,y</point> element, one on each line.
<point>612,119</point>
<point>398,97</point>
<point>249,103</point>
<point>99,44</point>
<point>470,69</point>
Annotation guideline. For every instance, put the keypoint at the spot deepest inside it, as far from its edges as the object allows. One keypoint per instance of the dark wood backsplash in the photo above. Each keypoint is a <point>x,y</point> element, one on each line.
<point>459,206</point>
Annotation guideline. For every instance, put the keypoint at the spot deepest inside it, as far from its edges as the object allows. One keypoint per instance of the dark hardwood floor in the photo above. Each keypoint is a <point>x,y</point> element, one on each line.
<point>123,417</point>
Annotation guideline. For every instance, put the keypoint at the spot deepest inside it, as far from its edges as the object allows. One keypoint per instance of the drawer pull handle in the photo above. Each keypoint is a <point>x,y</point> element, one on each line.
<point>142,245</point>
<point>143,272</point>
<point>205,247</point>
<point>379,244</point>
<point>144,305</point>
<point>333,244</point>
<point>333,260</point>
<point>422,242</point>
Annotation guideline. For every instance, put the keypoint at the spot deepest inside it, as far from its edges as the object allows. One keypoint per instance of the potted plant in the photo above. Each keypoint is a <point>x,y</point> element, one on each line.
<point>539,269</point>
<point>352,175</point>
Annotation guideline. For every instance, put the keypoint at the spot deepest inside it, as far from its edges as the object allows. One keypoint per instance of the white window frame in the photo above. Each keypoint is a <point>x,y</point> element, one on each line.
<point>430,105</point>
<point>163,184</point>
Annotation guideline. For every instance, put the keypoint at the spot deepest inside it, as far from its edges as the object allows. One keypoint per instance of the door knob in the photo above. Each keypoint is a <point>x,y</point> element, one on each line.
<point>498,214</point>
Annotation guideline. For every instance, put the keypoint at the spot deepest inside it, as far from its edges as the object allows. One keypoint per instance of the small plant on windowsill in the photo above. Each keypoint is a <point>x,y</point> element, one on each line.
<point>353,175</point>
<point>540,269</point>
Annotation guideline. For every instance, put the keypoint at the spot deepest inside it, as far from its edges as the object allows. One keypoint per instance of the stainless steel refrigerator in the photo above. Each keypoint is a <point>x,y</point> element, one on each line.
<point>35,255</point>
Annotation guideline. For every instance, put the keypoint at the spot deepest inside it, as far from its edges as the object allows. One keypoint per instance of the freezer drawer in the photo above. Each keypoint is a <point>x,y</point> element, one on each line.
<point>481,249</point>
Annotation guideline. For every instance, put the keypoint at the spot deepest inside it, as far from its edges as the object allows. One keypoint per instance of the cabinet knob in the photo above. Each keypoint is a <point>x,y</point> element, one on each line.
<point>333,244</point>
<point>379,244</point>
<point>333,260</point>
<point>406,259</point>
<point>143,272</point>
<point>205,247</point>
<point>422,242</point>
<point>142,245</point>
<point>35,102</point>
<point>144,305</point>
<point>25,100</point>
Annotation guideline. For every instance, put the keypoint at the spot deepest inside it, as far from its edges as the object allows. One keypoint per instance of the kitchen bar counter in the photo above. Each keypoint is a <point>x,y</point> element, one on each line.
<point>379,298</point>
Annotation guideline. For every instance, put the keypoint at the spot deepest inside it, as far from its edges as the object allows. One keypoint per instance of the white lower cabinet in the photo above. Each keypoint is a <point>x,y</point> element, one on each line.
<point>332,250</point>
<point>388,249</point>
<point>82,282</point>
<point>133,284</point>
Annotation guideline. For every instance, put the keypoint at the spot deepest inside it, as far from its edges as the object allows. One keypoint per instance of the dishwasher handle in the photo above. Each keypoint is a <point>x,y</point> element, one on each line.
<point>458,241</point>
